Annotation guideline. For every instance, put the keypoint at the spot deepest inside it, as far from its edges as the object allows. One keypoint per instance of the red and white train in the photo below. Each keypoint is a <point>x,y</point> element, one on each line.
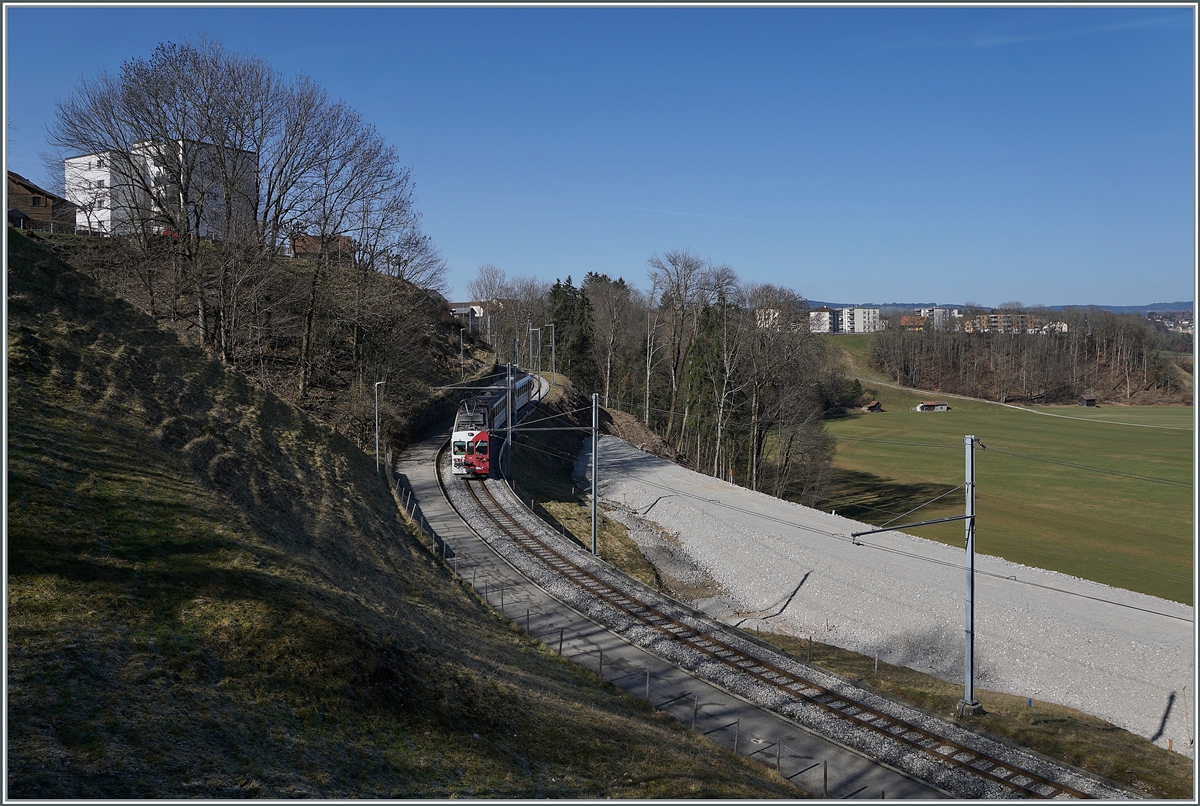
<point>471,443</point>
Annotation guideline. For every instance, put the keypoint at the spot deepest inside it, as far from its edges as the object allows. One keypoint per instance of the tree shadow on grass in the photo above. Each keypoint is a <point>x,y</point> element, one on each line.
<point>876,499</point>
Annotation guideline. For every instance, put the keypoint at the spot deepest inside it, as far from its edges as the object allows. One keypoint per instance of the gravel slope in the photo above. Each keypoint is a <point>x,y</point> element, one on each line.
<point>1125,657</point>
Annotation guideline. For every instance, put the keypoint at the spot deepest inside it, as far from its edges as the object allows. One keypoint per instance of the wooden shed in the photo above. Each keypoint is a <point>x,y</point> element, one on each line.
<point>1087,400</point>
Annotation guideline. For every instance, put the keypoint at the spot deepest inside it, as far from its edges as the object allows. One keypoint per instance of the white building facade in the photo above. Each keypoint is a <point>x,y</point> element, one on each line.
<point>822,320</point>
<point>143,190</point>
<point>858,320</point>
<point>940,317</point>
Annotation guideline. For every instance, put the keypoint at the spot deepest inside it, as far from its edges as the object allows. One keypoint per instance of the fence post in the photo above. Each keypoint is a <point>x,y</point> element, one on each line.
<point>825,779</point>
<point>601,664</point>
<point>695,708</point>
<point>737,730</point>
<point>560,636</point>
<point>647,684</point>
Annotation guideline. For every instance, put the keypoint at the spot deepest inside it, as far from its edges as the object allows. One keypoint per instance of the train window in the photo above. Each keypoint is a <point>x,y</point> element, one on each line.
<point>481,449</point>
<point>460,448</point>
<point>470,449</point>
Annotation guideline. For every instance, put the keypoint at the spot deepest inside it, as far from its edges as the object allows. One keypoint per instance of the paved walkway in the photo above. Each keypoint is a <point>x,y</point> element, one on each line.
<point>818,765</point>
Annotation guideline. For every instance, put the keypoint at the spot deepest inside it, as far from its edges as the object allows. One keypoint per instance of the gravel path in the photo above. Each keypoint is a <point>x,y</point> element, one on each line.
<point>1125,657</point>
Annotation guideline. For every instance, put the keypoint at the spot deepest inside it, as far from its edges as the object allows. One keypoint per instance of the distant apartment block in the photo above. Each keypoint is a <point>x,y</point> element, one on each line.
<point>939,317</point>
<point>858,320</point>
<point>822,320</point>
<point>843,320</point>
<point>139,190</point>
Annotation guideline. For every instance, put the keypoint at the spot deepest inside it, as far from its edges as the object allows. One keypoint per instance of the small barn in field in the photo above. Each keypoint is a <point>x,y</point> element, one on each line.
<point>932,405</point>
<point>1087,400</point>
<point>874,405</point>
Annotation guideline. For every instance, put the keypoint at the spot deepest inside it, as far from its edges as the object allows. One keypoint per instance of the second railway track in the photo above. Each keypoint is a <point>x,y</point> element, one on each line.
<point>927,748</point>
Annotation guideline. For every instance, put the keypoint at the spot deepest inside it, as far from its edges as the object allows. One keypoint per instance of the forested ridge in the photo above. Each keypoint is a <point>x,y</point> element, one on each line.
<point>1112,357</point>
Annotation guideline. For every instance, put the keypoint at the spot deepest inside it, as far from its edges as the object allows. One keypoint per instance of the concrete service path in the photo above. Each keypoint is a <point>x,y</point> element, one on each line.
<point>1125,657</point>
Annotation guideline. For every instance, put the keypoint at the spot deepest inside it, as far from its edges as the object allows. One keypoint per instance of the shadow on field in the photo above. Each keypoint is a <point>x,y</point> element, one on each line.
<point>875,499</point>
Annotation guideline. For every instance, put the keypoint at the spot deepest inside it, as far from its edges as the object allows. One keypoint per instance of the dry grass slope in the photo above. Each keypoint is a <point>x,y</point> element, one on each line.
<point>210,595</point>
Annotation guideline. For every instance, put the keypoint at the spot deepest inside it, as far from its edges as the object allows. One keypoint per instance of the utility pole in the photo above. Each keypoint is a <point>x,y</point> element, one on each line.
<point>538,330</point>
<point>595,443</point>
<point>969,706</point>
<point>553,380</point>
<point>508,402</point>
<point>377,385</point>
<point>462,367</point>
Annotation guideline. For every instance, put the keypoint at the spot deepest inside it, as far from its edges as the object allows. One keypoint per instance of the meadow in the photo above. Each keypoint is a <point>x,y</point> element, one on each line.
<point>1104,494</point>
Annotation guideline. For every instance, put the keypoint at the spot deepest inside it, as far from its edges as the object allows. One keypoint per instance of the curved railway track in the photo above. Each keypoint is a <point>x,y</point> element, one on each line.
<point>1020,782</point>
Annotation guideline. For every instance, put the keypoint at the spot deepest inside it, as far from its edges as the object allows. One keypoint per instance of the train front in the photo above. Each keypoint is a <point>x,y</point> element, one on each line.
<point>469,443</point>
<point>469,454</point>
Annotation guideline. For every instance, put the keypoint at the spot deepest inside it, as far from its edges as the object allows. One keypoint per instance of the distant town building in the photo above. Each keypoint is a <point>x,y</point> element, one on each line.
<point>822,320</point>
<point>339,249</point>
<point>857,320</point>
<point>913,322</point>
<point>940,317</point>
<point>468,314</point>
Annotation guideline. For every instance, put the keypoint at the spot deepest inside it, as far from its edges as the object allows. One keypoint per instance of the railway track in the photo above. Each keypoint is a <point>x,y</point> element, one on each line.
<point>851,710</point>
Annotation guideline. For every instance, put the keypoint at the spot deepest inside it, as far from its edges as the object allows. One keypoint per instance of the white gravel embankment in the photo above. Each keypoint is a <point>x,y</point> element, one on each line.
<point>1125,657</point>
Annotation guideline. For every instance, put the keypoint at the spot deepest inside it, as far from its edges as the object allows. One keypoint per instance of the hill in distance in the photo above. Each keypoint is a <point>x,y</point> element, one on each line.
<point>212,596</point>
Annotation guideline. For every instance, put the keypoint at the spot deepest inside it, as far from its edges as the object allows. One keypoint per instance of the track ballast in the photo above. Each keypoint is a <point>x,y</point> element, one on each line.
<point>927,748</point>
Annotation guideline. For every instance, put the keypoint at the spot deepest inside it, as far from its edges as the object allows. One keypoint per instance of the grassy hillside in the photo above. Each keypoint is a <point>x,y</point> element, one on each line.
<point>210,596</point>
<point>1130,526</point>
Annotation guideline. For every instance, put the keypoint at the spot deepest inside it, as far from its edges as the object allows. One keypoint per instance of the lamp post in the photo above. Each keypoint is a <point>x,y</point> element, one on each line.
<point>462,367</point>
<point>377,385</point>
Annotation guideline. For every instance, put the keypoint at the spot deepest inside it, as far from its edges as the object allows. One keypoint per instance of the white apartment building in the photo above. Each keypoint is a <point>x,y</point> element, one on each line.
<point>940,316</point>
<point>822,320</point>
<point>117,192</point>
<point>858,320</point>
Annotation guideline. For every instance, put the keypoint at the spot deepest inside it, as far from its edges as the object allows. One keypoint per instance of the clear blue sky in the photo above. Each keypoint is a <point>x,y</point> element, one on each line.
<point>1041,155</point>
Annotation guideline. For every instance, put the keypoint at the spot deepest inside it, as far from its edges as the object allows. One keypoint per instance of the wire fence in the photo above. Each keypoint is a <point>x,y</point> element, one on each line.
<point>407,499</point>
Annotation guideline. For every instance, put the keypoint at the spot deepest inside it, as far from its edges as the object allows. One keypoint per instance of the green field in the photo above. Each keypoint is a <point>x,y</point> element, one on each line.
<point>1105,494</point>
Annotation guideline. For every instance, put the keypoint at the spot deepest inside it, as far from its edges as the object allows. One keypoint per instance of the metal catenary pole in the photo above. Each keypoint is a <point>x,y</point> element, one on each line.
<point>508,404</point>
<point>595,441</point>
<point>969,705</point>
